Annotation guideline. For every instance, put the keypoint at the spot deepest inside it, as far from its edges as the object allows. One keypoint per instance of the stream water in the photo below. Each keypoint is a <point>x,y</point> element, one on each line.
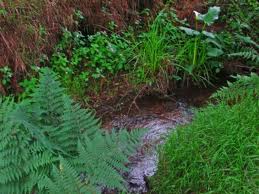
<point>158,124</point>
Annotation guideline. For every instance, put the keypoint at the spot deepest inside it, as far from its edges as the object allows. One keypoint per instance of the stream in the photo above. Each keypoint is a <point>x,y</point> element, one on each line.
<point>160,117</point>
<point>143,164</point>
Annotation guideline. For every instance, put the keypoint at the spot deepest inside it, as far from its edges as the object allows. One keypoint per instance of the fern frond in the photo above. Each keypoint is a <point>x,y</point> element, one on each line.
<point>39,136</point>
<point>243,86</point>
<point>73,123</point>
<point>66,180</point>
<point>49,96</point>
<point>39,160</point>
<point>111,150</point>
<point>248,54</point>
<point>13,152</point>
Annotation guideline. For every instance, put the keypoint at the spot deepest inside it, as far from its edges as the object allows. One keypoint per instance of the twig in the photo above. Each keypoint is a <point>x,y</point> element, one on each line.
<point>134,100</point>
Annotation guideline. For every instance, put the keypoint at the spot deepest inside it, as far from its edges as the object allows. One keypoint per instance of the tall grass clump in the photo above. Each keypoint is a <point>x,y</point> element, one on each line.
<point>152,52</point>
<point>218,152</point>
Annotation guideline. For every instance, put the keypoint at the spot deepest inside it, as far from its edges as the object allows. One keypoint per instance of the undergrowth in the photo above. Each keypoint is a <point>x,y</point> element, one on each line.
<point>218,151</point>
<point>161,52</point>
<point>81,61</point>
<point>240,19</point>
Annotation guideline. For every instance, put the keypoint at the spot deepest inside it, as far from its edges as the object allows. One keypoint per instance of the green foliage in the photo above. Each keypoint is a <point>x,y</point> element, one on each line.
<point>48,144</point>
<point>210,17</point>
<point>5,75</point>
<point>246,49</point>
<point>80,60</point>
<point>152,54</point>
<point>108,53</point>
<point>2,10</point>
<point>154,48</point>
<point>28,86</point>
<point>242,87</point>
<point>241,23</point>
<point>69,61</point>
<point>197,58</point>
<point>247,54</point>
<point>66,180</point>
<point>243,16</point>
<point>239,14</point>
<point>218,151</point>
<point>240,47</point>
<point>168,52</point>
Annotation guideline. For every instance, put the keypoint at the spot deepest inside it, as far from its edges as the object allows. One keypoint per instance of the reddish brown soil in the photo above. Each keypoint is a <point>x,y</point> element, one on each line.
<point>152,103</point>
<point>185,8</point>
<point>239,67</point>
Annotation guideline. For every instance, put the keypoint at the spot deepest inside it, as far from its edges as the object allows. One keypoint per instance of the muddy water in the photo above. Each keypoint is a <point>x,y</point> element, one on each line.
<point>158,124</point>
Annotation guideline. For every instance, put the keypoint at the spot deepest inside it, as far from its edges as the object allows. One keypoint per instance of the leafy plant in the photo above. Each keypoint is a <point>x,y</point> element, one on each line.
<point>68,61</point>
<point>80,60</point>
<point>246,49</point>
<point>248,54</point>
<point>242,87</point>
<point>2,10</point>
<point>241,16</point>
<point>107,53</point>
<point>6,75</point>
<point>152,54</point>
<point>28,86</point>
<point>48,144</point>
<point>196,59</point>
<point>241,19</point>
<point>218,151</point>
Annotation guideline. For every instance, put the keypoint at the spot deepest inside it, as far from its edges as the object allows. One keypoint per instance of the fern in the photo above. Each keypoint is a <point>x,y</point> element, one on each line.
<point>49,144</point>
<point>248,49</point>
<point>243,86</point>
<point>119,146</point>
<point>248,54</point>
<point>13,152</point>
<point>65,180</point>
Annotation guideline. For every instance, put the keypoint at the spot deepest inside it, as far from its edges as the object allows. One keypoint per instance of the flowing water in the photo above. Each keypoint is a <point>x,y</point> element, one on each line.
<point>144,163</point>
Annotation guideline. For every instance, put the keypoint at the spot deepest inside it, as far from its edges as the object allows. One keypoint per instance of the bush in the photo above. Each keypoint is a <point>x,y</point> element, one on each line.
<point>80,60</point>
<point>218,151</point>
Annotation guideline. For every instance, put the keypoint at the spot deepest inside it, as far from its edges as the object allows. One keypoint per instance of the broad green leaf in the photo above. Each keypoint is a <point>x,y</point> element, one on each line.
<point>190,31</point>
<point>214,52</point>
<point>208,34</point>
<point>210,16</point>
<point>214,42</point>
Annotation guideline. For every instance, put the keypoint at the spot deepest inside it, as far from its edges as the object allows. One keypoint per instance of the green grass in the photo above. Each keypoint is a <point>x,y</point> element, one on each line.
<point>151,52</point>
<point>217,153</point>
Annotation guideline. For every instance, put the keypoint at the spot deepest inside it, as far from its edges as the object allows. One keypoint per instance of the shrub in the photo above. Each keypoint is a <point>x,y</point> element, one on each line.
<point>5,75</point>
<point>48,144</point>
<point>241,19</point>
<point>218,151</point>
<point>80,60</point>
